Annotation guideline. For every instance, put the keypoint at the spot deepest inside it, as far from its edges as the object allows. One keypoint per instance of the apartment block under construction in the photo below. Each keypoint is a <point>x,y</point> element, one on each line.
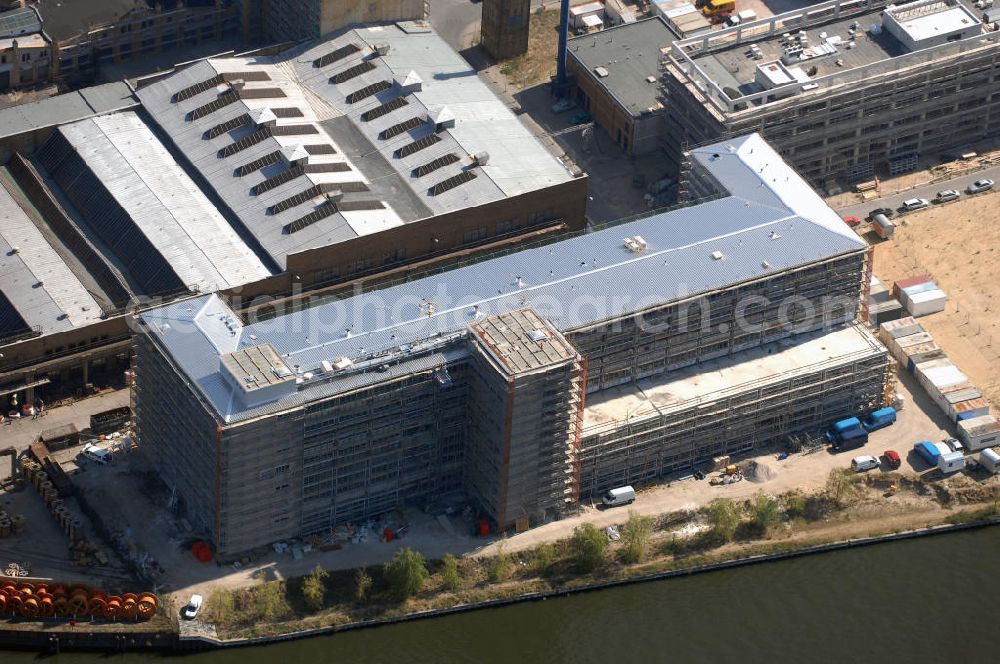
<point>844,89</point>
<point>525,382</point>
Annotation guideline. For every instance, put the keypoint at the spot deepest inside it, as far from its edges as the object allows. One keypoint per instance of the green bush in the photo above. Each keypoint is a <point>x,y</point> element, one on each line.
<point>362,585</point>
<point>724,517</point>
<point>545,556</point>
<point>795,506</point>
<point>764,513</point>
<point>451,579</point>
<point>499,568</point>
<point>636,534</point>
<point>405,573</point>
<point>588,546</point>
<point>314,588</point>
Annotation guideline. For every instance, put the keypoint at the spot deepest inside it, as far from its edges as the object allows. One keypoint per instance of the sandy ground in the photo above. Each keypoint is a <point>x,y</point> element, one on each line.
<point>958,245</point>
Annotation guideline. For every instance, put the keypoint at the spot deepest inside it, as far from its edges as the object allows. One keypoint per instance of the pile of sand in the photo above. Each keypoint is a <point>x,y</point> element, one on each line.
<point>759,472</point>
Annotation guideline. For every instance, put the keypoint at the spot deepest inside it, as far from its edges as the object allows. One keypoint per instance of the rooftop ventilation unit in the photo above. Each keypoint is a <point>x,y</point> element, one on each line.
<point>410,83</point>
<point>341,363</point>
<point>482,158</point>
<point>538,335</point>
<point>263,117</point>
<point>601,72</point>
<point>635,244</point>
<point>444,118</point>
<point>382,49</point>
<point>237,84</point>
<point>717,256</point>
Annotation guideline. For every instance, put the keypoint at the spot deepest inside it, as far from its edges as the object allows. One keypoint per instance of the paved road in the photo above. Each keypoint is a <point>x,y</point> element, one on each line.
<point>927,191</point>
<point>457,21</point>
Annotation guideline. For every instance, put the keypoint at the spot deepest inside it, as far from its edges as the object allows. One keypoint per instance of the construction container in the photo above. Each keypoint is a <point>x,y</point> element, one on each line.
<point>883,312</point>
<point>951,462</point>
<point>922,353</point>
<point>927,302</point>
<point>898,286</point>
<point>967,410</point>
<point>979,432</point>
<point>903,327</point>
<point>990,460</point>
<point>60,438</point>
<point>898,345</point>
<point>906,294</point>
<point>937,378</point>
<point>883,226</point>
<point>110,420</point>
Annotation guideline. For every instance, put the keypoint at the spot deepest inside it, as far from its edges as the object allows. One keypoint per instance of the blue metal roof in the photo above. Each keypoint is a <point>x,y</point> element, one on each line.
<point>771,222</point>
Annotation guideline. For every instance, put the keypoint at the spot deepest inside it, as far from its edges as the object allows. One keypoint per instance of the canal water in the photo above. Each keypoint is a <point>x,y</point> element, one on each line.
<point>933,599</point>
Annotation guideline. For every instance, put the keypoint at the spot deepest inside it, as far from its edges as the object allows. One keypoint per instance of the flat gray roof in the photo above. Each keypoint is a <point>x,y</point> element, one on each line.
<point>713,380</point>
<point>35,279</point>
<point>630,53</point>
<point>16,22</point>
<point>163,202</point>
<point>378,117</point>
<point>769,222</point>
<point>64,108</point>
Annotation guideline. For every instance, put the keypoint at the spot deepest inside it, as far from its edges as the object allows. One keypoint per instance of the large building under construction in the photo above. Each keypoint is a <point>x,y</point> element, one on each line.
<point>844,89</point>
<point>365,156</point>
<point>527,381</point>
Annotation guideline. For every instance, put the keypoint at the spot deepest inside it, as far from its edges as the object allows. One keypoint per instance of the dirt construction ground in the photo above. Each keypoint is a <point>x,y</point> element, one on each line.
<point>958,246</point>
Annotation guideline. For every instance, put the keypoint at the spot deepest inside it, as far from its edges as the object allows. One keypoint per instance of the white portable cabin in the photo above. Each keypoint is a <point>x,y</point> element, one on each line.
<point>979,432</point>
<point>951,462</point>
<point>990,460</point>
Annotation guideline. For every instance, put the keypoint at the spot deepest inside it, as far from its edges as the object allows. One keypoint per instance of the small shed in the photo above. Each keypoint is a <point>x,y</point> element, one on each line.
<point>59,438</point>
<point>979,432</point>
<point>578,14</point>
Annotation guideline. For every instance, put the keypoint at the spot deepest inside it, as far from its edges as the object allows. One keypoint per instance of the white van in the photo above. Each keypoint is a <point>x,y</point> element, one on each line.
<point>623,495</point>
<point>96,454</point>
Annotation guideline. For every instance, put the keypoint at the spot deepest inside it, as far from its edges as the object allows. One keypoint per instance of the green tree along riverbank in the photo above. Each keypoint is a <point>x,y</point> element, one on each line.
<point>850,506</point>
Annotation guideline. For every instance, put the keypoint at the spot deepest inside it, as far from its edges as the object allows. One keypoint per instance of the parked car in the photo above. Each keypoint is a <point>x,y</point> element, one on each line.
<point>96,454</point>
<point>563,105</point>
<point>892,459</point>
<point>866,462</point>
<point>580,118</point>
<point>912,204</point>
<point>888,212</point>
<point>879,419</point>
<point>623,495</point>
<point>193,606</point>
<point>946,196</point>
<point>955,444</point>
<point>980,186</point>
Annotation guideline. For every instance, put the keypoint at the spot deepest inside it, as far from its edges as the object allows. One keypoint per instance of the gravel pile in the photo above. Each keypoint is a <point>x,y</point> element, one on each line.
<point>759,472</point>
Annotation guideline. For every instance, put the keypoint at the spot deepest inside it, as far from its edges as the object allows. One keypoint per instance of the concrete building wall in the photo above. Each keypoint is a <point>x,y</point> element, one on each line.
<point>144,31</point>
<point>643,449</point>
<point>504,28</point>
<point>451,231</point>
<point>708,326</point>
<point>397,442</point>
<point>290,20</point>
<point>180,436</point>
<point>260,483</point>
<point>853,131</point>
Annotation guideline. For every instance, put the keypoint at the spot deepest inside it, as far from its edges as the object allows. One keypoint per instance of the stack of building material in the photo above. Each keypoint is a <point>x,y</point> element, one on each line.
<point>979,432</point>
<point>882,306</point>
<point>915,350</point>
<point>920,296</point>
